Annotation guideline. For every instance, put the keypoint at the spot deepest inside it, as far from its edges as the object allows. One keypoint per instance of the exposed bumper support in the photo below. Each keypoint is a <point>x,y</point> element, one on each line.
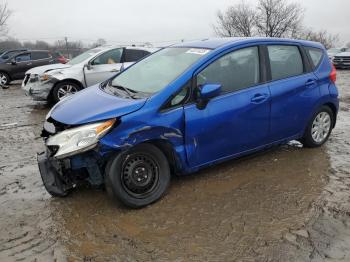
<point>49,171</point>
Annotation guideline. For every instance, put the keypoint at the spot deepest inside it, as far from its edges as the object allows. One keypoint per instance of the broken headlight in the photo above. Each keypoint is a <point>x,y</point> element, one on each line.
<point>79,139</point>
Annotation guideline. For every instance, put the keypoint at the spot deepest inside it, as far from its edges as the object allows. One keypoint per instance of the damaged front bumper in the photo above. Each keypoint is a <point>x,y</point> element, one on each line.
<point>35,88</point>
<point>51,176</point>
<point>61,175</point>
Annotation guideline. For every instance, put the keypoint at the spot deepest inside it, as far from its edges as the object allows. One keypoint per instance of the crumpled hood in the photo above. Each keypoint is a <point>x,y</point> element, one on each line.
<point>46,68</point>
<point>91,105</point>
<point>343,54</point>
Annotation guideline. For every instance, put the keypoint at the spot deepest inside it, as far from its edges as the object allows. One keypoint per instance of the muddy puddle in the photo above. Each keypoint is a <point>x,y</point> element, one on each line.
<point>288,203</point>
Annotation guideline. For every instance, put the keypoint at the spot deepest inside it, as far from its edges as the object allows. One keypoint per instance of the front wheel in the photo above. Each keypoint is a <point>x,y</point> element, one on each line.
<point>63,90</point>
<point>139,176</point>
<point>319,128</point>
<point>4,79</point>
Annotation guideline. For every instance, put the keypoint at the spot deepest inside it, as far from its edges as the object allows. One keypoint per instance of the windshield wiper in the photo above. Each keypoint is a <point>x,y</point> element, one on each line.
<point>123,88</point>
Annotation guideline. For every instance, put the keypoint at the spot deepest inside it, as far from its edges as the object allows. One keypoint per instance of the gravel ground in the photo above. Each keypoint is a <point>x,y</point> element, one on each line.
<point>285,204</point>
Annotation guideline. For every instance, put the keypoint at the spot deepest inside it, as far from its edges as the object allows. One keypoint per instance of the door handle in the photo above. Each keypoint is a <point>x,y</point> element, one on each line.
<point>29,64</point>
<point>115,70</point>
<point>259,98</point>
<point>310,83</point>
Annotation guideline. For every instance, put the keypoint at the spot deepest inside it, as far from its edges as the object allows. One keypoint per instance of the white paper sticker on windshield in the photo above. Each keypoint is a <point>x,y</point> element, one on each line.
<point>198,51</point>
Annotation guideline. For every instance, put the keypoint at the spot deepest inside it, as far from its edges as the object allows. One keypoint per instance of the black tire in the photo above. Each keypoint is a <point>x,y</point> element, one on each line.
<point>56,96</point>
<point>6,78</point>
<point>144,162</point>
<point>308,139</point>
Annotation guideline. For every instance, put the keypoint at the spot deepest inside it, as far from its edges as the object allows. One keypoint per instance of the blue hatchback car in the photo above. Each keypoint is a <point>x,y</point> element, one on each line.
<point>184,108</point>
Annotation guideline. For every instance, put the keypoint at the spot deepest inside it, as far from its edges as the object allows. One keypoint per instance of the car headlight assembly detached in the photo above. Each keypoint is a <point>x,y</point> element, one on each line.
<point>79,139</point>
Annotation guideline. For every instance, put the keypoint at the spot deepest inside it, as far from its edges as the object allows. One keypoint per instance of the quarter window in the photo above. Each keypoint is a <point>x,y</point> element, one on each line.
<point>109,57</point>
<point>315,54</point>
<point>234,71</point>
<point>285,61</point>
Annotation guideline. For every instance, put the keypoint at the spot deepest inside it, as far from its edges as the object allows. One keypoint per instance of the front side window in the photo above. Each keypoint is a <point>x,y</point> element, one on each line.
<point>84,56</point>
<point>285,61</point>
<point>109,57</point>
<point>23,58</point>
<point>158,70</point>
<point>315,54</point>
<point>234,71</point>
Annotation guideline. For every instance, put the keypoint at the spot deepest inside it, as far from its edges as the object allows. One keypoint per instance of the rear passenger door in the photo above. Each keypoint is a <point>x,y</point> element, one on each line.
<point>293,88</point>
<point>40,58</point>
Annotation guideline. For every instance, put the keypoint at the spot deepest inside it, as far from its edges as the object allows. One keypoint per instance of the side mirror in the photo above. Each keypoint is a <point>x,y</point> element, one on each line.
<point>13,62</point>
<point>206,92</point>
<point>88,66</point>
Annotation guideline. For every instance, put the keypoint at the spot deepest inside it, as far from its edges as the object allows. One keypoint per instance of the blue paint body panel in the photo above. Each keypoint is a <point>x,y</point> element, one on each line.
<point>229,126</point>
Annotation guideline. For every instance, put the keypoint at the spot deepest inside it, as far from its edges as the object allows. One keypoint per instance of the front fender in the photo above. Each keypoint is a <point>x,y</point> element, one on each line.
<point>166,128</point>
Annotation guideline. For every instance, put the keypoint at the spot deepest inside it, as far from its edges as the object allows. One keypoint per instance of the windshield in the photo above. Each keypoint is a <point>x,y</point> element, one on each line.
<point>82,57</point>
<point>158,70</point>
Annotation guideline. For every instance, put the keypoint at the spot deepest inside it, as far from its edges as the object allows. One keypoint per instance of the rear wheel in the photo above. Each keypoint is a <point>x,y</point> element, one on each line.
<point>139,176</point>
<point>63,90</point>
<point>319,128</point>
<point>4,79</point>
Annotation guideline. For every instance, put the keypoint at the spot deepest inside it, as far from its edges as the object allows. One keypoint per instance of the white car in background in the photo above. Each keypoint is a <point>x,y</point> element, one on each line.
<point>57,81</point>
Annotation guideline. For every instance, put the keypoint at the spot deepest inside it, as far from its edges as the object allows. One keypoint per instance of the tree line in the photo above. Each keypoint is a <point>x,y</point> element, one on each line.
<point>269,18</point>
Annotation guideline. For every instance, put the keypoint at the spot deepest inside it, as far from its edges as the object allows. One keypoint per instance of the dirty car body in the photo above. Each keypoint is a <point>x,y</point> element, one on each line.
<point>92,67</point>
<point>187,107</point>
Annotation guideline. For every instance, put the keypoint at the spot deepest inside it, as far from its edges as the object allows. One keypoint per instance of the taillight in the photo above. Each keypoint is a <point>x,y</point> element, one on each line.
<point>333,75</point>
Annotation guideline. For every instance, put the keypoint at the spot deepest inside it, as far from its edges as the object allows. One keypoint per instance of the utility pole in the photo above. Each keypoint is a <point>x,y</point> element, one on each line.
<point>66,39</point>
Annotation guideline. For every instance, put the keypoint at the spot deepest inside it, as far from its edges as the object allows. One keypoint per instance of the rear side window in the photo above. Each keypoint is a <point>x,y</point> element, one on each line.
<point>234,71</point>
<point>315,55</point>
<point>133,55</point>
<point>285,61</point>
<point>40,55</point>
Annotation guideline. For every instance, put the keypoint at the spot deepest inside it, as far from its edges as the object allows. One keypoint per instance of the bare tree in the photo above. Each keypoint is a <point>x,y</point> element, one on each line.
<point>237,20</point>
<point>99,42</point>
<point>5,14</point>
<point>325,38</point>
<point>278,18</point>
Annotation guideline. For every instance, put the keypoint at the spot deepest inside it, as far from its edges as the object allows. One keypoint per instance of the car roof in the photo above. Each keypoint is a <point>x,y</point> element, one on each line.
<point>109,47</point>
<point>215,43</point>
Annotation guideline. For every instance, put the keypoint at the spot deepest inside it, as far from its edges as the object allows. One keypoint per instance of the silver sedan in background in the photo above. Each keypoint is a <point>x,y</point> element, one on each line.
<point>57,81</point>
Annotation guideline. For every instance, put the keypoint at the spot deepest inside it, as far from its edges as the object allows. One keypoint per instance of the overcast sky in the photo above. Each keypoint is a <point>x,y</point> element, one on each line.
<point>157,21</point>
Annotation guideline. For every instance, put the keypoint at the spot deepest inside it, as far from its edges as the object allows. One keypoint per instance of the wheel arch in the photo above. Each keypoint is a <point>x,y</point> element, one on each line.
<point>168,150</point>
<point>68,80</point>
<point>7,73</point>
<point>334,110</point>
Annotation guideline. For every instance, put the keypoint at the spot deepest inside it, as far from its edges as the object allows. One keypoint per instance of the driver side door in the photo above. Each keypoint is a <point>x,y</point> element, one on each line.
<point>104,66</point>
<point>238,119</point>
<point>23,63</point>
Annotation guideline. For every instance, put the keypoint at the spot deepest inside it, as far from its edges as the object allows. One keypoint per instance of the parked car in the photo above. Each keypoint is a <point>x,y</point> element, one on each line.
<point>55,82</point>
<point>187,107</point>
<point>59,58</point>
<point>15,67</point>
<point>334,51</point>
<point>10,53</point>
<point>342,60</point>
